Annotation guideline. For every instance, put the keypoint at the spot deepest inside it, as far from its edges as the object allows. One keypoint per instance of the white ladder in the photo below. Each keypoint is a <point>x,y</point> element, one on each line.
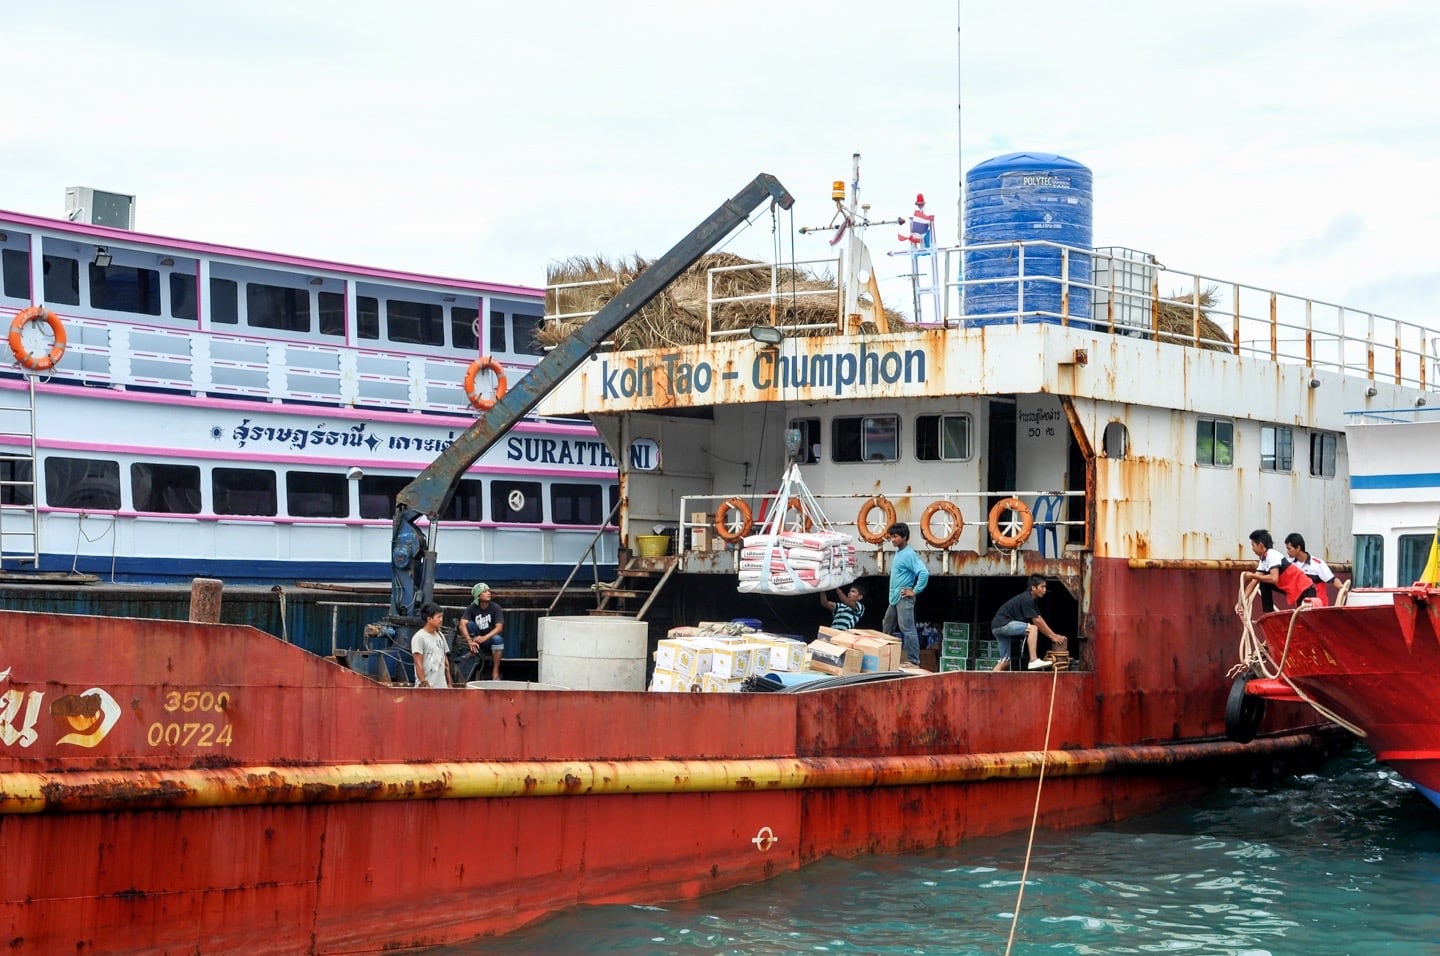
<point>19,517</point>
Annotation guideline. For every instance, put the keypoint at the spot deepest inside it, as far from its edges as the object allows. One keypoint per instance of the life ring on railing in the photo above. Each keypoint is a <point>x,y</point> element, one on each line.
<point>862,520</point>
<point>37,363</point>
<point>1016,530</point>
<point>957,524</point>
<point>722,520</point>
<point>493,364</point>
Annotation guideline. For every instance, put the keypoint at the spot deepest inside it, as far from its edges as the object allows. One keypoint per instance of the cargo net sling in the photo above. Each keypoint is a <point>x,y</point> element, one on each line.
<point>796,551</point>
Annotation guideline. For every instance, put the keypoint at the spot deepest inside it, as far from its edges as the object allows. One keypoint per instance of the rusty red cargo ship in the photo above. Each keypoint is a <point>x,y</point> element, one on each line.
<point>170,787</point>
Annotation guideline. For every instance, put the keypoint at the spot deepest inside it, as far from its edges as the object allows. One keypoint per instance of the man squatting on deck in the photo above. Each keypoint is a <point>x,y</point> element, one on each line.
<point>908,578</point>
<point>1277,573</point>
<point>1020,617</point>
<point>482,625</point>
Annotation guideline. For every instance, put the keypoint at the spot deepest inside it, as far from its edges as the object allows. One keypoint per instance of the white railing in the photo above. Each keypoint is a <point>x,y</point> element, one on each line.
<point>223,364</point>
<point>1123,292</point>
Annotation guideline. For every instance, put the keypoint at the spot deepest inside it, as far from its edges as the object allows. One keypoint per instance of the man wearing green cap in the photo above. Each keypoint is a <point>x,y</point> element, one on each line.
<point>481,627</point>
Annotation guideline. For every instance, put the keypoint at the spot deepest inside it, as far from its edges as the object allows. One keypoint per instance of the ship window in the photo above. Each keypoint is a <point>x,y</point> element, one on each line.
<point>1322,454</point>
<point>1116,440</point>
<point>15,264</point>
<point>332,313</point>
<point>575,504</point>
<point>15,482</point>
<point>89,483</point>
<point>805,434</point>
<point>871,438</point>
<point>525,327</point>
<point>224,302</point>
<point>1215,442</point>
<point>497,332</point>
<point>182,296</point>
<point>62,280</point>
<point>415,323</point>
<point>1369,569</point>
<point>313,494</point>
<point>614,499</point>
<point>1411,553</point>
<point>468,502</point>
<point>1277,448</point>
<point>942,437</point>
<point>243,491</point>
<point>117,288</point>
<point>464,333</point>
<point>515,502</point>
<point>367,314</point>
<point>277,307</point>
<point>170,489</point>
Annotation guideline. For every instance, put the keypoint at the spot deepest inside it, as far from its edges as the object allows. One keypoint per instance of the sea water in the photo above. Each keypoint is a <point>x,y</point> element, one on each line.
<point>1346,861</point>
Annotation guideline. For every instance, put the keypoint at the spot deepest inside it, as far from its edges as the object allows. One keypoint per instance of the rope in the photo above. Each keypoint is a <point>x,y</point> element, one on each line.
<point>1035,814</point>
<point>1255,657</point>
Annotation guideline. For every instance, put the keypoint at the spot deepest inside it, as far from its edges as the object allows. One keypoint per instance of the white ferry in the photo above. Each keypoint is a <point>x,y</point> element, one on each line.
<point>172,409</point>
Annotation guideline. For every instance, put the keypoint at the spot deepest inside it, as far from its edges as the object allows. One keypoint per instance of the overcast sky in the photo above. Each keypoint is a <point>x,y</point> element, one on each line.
<point>1288,145</point>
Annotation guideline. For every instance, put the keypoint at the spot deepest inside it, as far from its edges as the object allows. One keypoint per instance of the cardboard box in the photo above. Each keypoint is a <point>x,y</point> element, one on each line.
<point>777,653</point>
<point>730,661</point>
<point>930,659</point>
<point>715,684</point>
<point>699,539</point>
<point>828,658</point>
<point>701,518</point>
<point>948,664</point>
<point>667,681</point>
<point>877,654</point>
<point>700,660</point>
<point>674,655</point>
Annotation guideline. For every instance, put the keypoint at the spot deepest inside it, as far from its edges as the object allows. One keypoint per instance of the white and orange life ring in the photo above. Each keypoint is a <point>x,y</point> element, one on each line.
<point>493,364</point>
<point>725,528</point>
<point>862,520</point>
<point>37,363</point>
<point>1015,530</point>
<point>957,524</point>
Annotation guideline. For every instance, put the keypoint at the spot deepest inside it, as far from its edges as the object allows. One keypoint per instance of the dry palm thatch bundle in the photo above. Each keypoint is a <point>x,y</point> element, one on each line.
<point>1183,316</point>
<point>804,303</point>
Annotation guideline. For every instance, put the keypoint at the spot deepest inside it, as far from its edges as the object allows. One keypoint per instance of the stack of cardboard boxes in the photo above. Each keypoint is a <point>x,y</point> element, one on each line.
<point>965,646</point>
<point>716,657</point>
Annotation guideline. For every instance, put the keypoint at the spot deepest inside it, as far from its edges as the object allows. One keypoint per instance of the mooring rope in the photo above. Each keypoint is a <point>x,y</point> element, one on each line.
<point>1255,658</point>
<point>1035,814</point>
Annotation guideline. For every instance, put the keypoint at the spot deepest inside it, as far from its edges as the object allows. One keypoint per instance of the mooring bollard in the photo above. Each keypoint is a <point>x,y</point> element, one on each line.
<point>205,600</point>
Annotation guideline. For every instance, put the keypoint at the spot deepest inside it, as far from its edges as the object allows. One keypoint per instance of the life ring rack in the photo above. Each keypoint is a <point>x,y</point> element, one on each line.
<point>957,524</point>
<point>722,525</point>
<point>862,520</point>
<point>1014,533</point>
<point>481,363</point>
<point>37,363</point>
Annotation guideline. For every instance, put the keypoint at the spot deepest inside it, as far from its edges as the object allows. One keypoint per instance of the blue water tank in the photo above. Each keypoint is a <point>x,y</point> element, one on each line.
<point>1022,197</point>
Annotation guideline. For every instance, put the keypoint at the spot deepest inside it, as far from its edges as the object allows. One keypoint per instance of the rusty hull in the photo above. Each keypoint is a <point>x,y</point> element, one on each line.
<point>203,786</point>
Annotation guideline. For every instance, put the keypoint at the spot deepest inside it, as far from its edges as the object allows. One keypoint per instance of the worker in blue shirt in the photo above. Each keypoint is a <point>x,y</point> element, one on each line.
<point>908,578</point>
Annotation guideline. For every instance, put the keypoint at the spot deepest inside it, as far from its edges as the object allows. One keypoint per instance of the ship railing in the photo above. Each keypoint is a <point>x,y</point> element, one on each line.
<point>1051,531</point>
<point>1122,292</point>
<point>211,363</point>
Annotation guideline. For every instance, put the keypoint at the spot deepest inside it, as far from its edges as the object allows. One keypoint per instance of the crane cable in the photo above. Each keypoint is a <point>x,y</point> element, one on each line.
<point>1035,814</point>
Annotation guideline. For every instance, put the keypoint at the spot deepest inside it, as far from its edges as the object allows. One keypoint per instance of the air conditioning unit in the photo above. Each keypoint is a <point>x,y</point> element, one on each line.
<point>96,207</point>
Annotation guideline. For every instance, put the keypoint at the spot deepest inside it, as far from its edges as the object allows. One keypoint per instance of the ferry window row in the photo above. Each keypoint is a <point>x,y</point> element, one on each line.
<point>877,438</point>
<point>1412,551</point>
<point>272,300</point>
<point>162,488</point>
<point>1215,447</point>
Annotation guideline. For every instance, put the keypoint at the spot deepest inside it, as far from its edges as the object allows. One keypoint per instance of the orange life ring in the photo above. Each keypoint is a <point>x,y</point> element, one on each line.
<point>957,524</point>
<point>862,520</point>
<point>722,523</point>
<point>1014,535</point>
<point>483,362</point>
<point>23,355</point>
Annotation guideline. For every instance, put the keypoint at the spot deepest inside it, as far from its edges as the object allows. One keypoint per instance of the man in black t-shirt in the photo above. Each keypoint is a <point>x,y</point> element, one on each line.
<point>482,627</point>
<point>1020,618</point>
